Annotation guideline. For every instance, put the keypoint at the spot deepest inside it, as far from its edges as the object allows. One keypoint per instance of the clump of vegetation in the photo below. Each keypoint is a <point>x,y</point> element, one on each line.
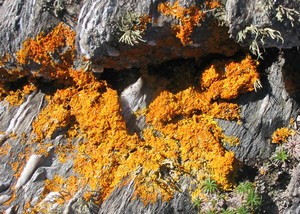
<point>293,146</point>
<point>288,145</point>
<point>280,155</point>
<point>132,26</point>
<point>242,199</point>
<point>258,37</point>
<point>209,186</point>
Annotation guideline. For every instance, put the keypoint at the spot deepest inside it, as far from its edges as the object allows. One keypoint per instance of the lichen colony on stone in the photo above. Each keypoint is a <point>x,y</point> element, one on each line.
<point>182,137</point>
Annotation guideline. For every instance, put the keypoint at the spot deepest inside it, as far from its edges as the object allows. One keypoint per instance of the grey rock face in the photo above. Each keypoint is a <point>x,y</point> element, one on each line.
<point>132,99</point>
<point>121,201</point>
<point>262,113</point>
<point>98,39</point>
<point>282,16</point>
<point>98,34</point>
<point>22,19</point>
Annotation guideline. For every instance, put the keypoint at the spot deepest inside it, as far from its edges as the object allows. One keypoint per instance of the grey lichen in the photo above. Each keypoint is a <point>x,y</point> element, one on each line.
<point>55,6</point>
<point>257,37</point>
<point>291,14</point>
<point>129,25</point>
<point>220,15</point>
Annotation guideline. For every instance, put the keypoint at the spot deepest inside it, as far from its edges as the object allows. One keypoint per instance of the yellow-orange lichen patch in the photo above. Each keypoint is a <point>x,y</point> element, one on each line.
<point>182,136</point>
<point>4,149</point>
<point>281,135</point>
<point>213,4</point>
<point>187,118</point>
<point>219,83</point>
<point>43,49</point>
<point>65,187</point>
<point>233,78</point>
<point>17,97</point>
<point>189,18</point>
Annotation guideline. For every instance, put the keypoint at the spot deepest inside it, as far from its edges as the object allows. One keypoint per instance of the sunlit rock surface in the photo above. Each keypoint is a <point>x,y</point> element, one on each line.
<point>23,173</point>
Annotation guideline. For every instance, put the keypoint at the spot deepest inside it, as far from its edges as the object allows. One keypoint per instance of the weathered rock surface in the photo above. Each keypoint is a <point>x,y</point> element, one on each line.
<point>280,15</point>
<point>25,19</point>
<point>98,39</point>
<point>99,33</point>
<point>262,113</point>
<point>121,202</point>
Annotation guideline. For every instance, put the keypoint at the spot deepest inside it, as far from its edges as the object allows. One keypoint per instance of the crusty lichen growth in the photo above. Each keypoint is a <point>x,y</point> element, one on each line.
<point>182,137</point>
<point>17,97</point>
<point>188,18</point>
<point>188,118</point>
<point>170,148</point>
<point>281,135</point>
<point>53,52</point>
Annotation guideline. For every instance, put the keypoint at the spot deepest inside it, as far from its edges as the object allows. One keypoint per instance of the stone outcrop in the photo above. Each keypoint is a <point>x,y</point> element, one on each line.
<point>99,26</point>
<point>282,16</point>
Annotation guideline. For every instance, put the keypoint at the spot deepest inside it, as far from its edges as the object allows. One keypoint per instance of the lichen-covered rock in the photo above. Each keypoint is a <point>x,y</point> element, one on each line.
<point>264,22</point>
<point>20,20</point>
<point>101,26</point>
<point>76,143</point>
<point>262,112</point>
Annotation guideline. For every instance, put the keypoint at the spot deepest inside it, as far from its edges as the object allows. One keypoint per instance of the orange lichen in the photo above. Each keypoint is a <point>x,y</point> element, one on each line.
<point>182,137</point>
<point>144,21</point>
<point>213,4</point>
<point>219,83</point>
<point>281,135</point>
<point>175,116</point>
<point>235,78</point>
<point>66,187</point>
<point>4,149</point>
<point>17,97</point>
<point>42,50</point>
<point>189,18</point>
<point>109,154</point>
<point>53,185</point>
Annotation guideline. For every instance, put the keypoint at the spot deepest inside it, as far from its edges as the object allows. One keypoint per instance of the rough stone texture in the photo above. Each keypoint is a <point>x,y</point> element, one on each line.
<point>97,38</point>
<point>294,186</point>
<point>262,14</point>
<point>22,19</point>
<point>121,201</point>
<point>98,35</point>
<point>294,191</point>
<point>262,113</point>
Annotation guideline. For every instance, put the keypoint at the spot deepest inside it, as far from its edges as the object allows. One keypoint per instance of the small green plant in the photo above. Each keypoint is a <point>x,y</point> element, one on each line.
<point>211,212</point>
<point>245,187</point>
<point>280,155</point>
<point>253,200</point>
<point>197,202</point>
<point>227,211</point>
<point>242,210</point>
<point>210,186</point>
